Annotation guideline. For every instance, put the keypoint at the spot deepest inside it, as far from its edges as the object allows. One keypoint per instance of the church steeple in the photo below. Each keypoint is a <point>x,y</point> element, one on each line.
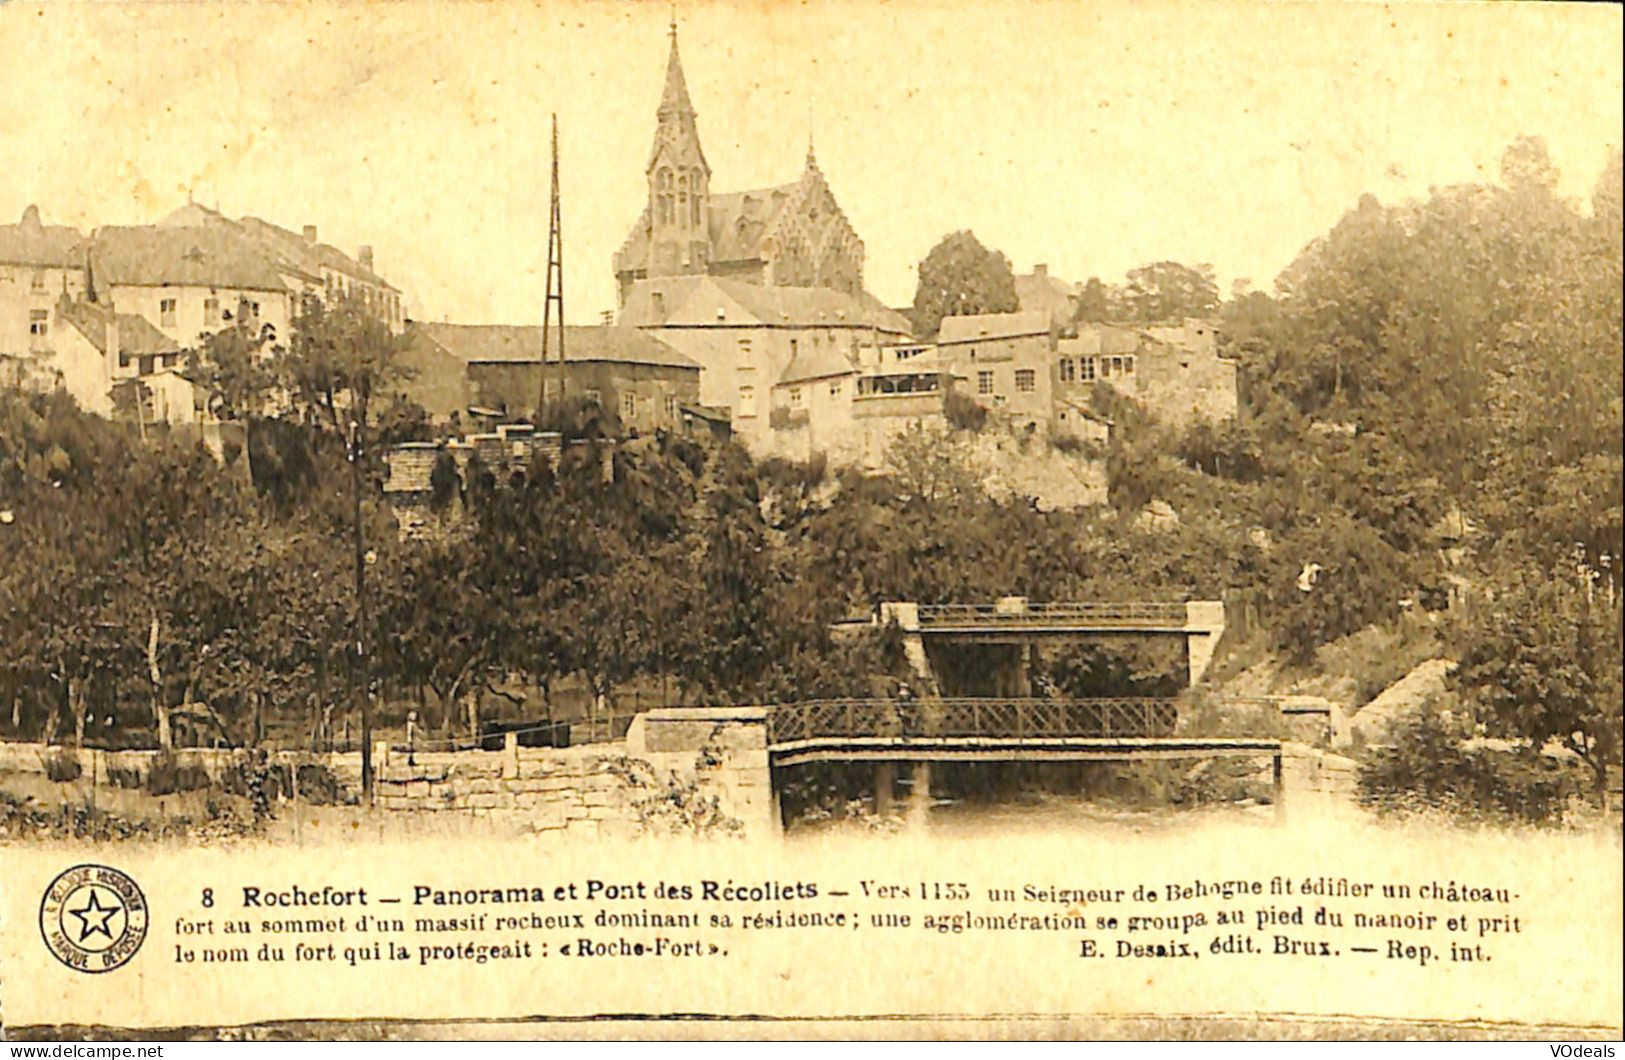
<point>679,179</point>
<point>674,100</point>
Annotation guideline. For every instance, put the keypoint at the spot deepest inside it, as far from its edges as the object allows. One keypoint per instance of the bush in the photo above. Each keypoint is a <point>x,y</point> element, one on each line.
<point>62,765</point>
<point>1432,765</point>
<point>963,413</point>
<point>168,776</point>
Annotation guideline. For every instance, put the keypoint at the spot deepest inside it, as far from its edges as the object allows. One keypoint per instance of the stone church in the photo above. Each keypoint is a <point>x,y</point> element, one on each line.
<point>793,235</point>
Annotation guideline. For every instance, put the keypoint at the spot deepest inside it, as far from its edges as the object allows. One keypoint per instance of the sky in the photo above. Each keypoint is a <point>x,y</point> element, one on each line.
<point>1093,137</point>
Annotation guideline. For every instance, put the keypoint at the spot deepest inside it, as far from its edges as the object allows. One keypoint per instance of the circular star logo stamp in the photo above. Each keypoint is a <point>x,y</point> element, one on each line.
<point>93,918</point>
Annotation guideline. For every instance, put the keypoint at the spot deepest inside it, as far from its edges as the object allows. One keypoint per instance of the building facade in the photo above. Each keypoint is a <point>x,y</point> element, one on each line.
<point>1007,359</point>
<point>745,336</point>
<point>38,264</point>
<point>1174,370</point>
<point>792,235</point>
<point>456,367</point>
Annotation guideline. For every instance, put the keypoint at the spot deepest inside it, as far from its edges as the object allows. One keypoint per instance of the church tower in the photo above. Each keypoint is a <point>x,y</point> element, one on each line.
<point>679,182</point>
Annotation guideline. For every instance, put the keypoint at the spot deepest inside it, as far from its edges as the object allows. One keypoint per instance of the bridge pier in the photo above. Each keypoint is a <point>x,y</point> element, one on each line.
<point>919,796</point>
<point>885,782</point>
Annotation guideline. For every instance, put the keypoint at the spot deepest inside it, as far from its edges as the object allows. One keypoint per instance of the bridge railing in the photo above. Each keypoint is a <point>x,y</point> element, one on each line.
<point>1094,613</point>
<point>984,717</point>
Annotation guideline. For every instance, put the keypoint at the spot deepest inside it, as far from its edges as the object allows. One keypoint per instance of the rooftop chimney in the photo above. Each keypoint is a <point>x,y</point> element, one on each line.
<point>310,233</point>
<point>1041,271</point>
<point>364,256</point>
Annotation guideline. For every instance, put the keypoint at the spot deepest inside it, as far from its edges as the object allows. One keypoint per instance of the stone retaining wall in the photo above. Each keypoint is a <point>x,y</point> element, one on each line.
<point>679,770</point>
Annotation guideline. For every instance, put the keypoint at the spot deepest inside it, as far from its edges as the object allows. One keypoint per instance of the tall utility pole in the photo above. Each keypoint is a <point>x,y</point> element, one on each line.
<point>555,283</point>
<point>362,681</point>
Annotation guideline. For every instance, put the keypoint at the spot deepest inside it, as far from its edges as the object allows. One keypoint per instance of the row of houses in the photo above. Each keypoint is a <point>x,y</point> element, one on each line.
<point>1011,364</point>
<point>91,312</point>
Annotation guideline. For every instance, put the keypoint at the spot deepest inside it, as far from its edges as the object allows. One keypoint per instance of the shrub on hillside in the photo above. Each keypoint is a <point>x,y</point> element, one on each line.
<point>1432,765</point>
<point>963,412</point>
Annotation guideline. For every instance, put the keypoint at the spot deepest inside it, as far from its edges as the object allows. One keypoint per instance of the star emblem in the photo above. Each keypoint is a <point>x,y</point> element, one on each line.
<point>93,918</point>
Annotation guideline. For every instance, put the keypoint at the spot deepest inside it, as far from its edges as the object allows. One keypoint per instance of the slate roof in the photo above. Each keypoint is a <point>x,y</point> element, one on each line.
<point>1104,338</point>
<point>136,336</point>
<point>287,247</point>
<point>817,362</point>
<point>735,222</point>
<point>522,344</point>
<point>157,256</point>
<point>28,242</point>
<point>989,326</point>
<point>698,301</point>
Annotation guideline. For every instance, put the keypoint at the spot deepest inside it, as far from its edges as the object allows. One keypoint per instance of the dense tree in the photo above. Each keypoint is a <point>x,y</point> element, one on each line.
<point>1166,291</point>
<point>961,277</point>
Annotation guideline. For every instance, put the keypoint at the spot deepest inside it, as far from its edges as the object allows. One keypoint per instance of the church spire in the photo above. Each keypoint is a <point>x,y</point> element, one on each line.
<point>674,100</point>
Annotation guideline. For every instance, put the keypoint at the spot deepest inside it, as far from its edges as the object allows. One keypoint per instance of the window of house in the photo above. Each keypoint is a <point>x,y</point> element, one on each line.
<point>39,325</point>
<point>166,312</point>
<point>591,394</point>
<point>123,359</point>
<point>629,405</point>
<point>147,364</point>
<point>1086,369</point>
<point>211,310</point>
<point>671,406</point>
<point>984,382</point>
<point>1128,366</point>
<point>39,280</point>
<point>795,344</point>
<point>660,305</point>
<point>745,354</point>
<point>747,401</point>
<point>835,388</point>
<point>796,396</point>
<point>1069,370</point>
<point>1026,380</point>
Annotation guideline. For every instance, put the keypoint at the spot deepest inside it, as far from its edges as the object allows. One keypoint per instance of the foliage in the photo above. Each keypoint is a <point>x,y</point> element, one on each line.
<point>963,412</point>
<point>1541,664</point>
<point>1433,764</point>
<point>961,277</point>
<point>62,766</point>
<point>1166,291</point>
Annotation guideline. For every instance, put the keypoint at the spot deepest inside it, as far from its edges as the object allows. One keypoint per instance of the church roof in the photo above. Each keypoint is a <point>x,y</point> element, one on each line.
<point>522,344</point>
<point>987,326</point>
<point>736,221</point>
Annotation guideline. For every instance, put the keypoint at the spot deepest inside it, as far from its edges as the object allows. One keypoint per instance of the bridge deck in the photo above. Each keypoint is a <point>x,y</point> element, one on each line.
<point>1009,718</point>
<point>1093,617</point>
<point>1012,749</point>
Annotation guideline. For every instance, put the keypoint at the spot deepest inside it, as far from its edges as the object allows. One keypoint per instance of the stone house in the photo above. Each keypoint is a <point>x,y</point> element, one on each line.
<point>850,412</point>
<point>1176,371</point>
<point>1007,360</point>
<point>644,381</point>
<point>38,264</point>
<point>745,336</point>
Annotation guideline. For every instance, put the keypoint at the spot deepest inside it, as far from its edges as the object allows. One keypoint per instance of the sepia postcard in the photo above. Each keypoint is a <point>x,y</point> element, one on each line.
<point>839,520</point>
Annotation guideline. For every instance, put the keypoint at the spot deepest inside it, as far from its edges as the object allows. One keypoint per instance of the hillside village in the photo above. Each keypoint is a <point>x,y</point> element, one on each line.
<point>742,314</point>
<point>1397,476</point>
